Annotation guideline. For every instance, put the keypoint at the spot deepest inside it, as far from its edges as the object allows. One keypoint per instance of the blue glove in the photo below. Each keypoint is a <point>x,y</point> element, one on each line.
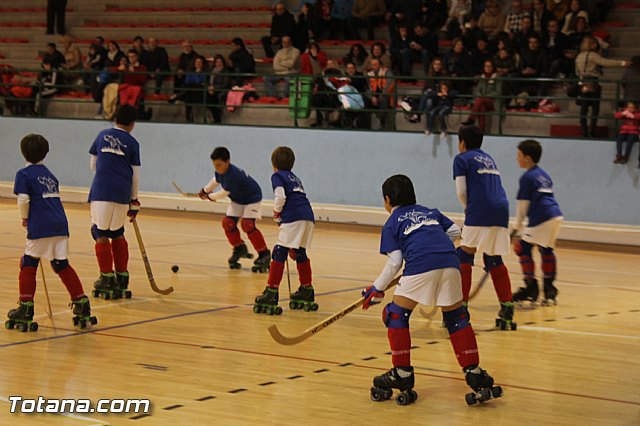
<point>372,296</point>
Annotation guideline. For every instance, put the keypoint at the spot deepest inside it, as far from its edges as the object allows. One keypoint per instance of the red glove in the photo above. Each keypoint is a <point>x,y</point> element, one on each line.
<point>372,296</point>
<point>134,208</point>
<point>277,218</point>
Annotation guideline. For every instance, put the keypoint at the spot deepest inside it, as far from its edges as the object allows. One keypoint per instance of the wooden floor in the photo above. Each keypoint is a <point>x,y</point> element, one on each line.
<point>202,357</point>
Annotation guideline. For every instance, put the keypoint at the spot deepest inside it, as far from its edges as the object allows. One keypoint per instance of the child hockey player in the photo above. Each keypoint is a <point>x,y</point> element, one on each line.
<point>486,222</point>
<point>292,212</point>
<point>115,158</point>
<point>47,236</point>
<point>246,195</point>
<point>537,203</point>
<point>422,238</point>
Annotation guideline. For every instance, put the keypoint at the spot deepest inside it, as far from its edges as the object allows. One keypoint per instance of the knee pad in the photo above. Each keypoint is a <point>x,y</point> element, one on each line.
<point>280,253</point>
<point>59,265</point>
<point>28,261</point>
<point>301,255</point>
<point>464,256</point>
<point>248,225</point>
<point>456,320</point>
<point>395,316</point>
<point>229,223</point>
<point>491,262</point>
<point>116,234</point>
<point>523,248</point>
<point>98,233</point>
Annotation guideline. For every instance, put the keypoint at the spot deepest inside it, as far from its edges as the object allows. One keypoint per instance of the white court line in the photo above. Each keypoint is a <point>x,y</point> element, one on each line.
<point>72,416</point>
<point>95,308</point>
<point>584,333</point>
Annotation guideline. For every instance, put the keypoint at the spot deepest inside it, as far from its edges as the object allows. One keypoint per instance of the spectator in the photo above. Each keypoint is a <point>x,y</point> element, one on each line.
<point>457,62</point>
<point>322,18</point>
<point>378,51</point>
<point>555,43</point>
<point>631,81</point>
<point>628,133</point>
<point>513,22</point>
<point>241,61</point>
<point>356,77</point>
<point>368,14</point>
<point>382,93</point>
<point>325,98</point>
<point>358,56</point>
<point>341,21</point>
<point>193,91</point>
<point>400,51</point>
<point>442,107</point>
<point>575,12</point>
<point>114,54</point>
<point>282,24</point>
<point>588,63</point>
<point>479,55</point>
<point>305,28</point>
<point>54,56</point>
<point>99,42</point>
<point>485,94</point>
<point>313,60</point>
<point>402,12</point>
<point>285,63</point>
<point>577,33</point>
<point>92,65</point>
<point>185,63</point>
<point>219,85</point>
<point>138,45</point>
<point>540,17</point>
<point>521,39</point>
<point>72,55</point>
<point>434,77</point>
<point>157,62</point>
<point>471,33</point>
<point>434,14</point>
<point>455,21</point>
<point>534,64</point>
<point>559,8</point>
<point>56,11</point>
<point>134,77</point>
<point>46,86</point>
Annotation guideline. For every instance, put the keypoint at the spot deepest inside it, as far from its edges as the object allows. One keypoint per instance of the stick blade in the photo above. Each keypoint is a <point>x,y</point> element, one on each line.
<point>284,340</point>
<point>185,194</point>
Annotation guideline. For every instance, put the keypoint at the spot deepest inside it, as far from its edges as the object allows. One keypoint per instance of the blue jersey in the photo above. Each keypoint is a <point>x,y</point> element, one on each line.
<point>46,214</point>
<point>242,188</point>
<point>537,187</point>
<point>117,153</point>
<point>297,206</point>
<point>420,233</point>
<point>487,203</point>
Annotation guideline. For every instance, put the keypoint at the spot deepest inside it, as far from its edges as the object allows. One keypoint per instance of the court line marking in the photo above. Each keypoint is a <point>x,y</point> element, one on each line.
<point>72,416</point>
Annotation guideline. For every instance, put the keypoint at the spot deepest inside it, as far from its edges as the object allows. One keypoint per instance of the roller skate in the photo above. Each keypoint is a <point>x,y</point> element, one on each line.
<point>550,293</point>
<point>267,302</point>
<point>122,284</point>
<point>528,293</point>
<point>82,312</point>
<point>105,287</point>
<point>239,252</point>
<point>261,264</point>
<point>482,385</point>
<point>505,317</point>
<point>303,299</point>
<point>21,318</point>
<point>400,378</point>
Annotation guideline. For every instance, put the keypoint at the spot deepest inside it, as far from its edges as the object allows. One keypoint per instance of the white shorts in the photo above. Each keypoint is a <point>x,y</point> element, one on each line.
<point>491,240</point>
<point>247,211</point>
<point>296,234</point>
<point>440,287</point>
<point>50,248</point>
<point>545,234</point>
<point>108,216</point>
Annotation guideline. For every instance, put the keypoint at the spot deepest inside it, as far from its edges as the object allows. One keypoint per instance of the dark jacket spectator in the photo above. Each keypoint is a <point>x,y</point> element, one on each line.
<point>358,79</point>
<point>54,56</point>
<point>220,83</point>
<point>282,24</point>
<point>305,28</point>
<point>434,14</point>
<point>242,62</point>
<point>540,17</point>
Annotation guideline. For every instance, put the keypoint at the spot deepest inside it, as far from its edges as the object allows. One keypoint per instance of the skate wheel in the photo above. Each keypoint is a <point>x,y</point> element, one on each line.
<point>314,307</point>
<point>269,311</point>
<point>254,269</point>
<point>378,395</point>
<point>292,305</point>
<point>496,391</point>
<point>278,310</point>
<point>82,323</point>
<point>33,326</point>
<point>514,326</point>
<point>93,320</point>
<point>95,293</point>
<point>22,327</point>
<point>484,395</point>
<point>503,325</point>
<point>470,398</point>
<point>256,309</point>
<point>306,307</point>
<point>403,398</point>
<point>9,324</point>
<point>75,321</point>
<point>497,322</point>
<point>105,296</point>
<point>127,294</point>
<point>414,395</point>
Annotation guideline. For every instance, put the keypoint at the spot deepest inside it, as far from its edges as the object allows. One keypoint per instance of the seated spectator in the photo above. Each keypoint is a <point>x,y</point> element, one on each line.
<point>504,62</point>
<point>341,27</point>
<point>577,33</point>
<point>455,20</point>
<point>46,86</point>
<point>382,94</point>
<point>285,63</point>
<point>424,45</point>
<point>631,81</point>
<point>282,24</point>
<point>434,14</point>
<point>368,14</point>
<point>138,45</point>
<point>402,12</point>
<point>185,63</point>
<point>305,28</point>
<point>73,59</point>
<point>575,12</point>
<point>559,8</point>
<point>157,62</point>
<point>471,33</point>
<point>193,91</point>
<point>240,61</point>
<point>555,43</point>
<point>628,133</point>
<point>358,79</point>
<point>436,74</point>
<point>313,60</point>
<point>220,82</point>
<point>133,78</point>
<point>400,51</point>
<point>112,59</point>
<point>325,97</point>
<point>100,48</point>
<point>479,55</point>
<point>378,51</point>
<point>492,20</point>
<point>457,62</point>
<point>357,55</point>
<point>486,93</point>
<point>534,64</point>
<point>441,107</point>
<point>513,22</point>
<point>322,18</point>
<point>540,17</point>
<point>521,38</point>
<point>54,56</point>
<point>92,65</point>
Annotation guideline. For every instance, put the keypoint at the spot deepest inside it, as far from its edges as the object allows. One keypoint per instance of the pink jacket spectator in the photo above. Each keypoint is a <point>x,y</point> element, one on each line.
<point>629,125</point>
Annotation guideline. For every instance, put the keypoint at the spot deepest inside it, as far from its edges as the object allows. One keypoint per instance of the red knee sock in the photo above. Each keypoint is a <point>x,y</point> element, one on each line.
<point>501,282</point>
<point>400,343</point>
<point>257,240</point>
<point>465,346</point>
<point>105,258</point>
<point>27,283</point>
<point>465,272</point>
<point>72,283</point>
<point>120,249</point>
<point>276,270</point>
<point>304,272</point>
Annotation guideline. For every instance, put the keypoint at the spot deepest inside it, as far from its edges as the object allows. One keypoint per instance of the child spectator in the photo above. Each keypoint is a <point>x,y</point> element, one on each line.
<point>628,133</point>
<point>441,108</point>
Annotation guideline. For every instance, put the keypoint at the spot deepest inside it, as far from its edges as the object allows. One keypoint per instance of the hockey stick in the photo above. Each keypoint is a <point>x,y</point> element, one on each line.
<point>284,340</point>
<point>46,291</point>
<point>145,260</point>
<point>430,314</point>
<point>184,194</point>
<point>288,277</point>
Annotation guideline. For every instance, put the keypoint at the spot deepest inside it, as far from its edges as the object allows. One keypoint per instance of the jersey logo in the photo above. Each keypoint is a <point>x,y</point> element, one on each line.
<point>488,165</point>
<point>545,185</point>
<point>418,220</point>
<point>52,187</point>
<point>115,146</point>
<point>298,183</point>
